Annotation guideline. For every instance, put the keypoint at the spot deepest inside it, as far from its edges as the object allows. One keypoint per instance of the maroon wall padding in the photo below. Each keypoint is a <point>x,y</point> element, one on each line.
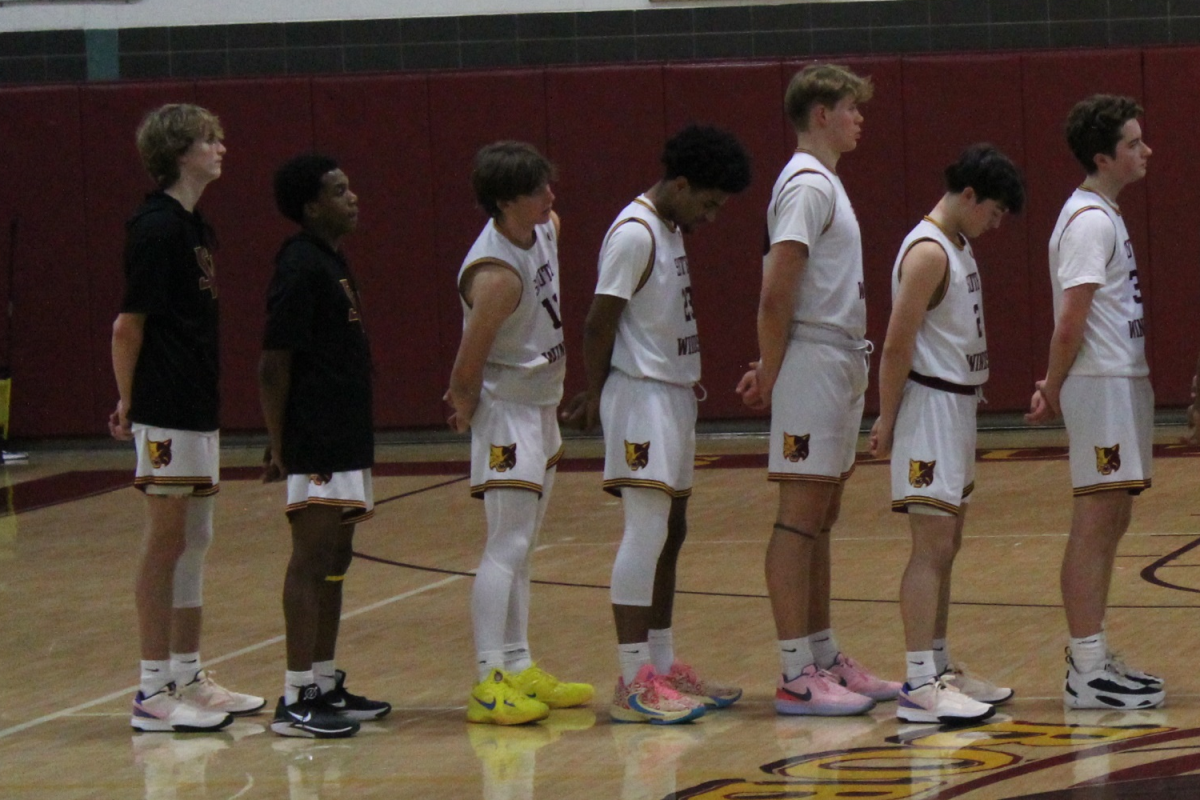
<point>392,252</point>
<point>725,257</point>
<point>1051,84</point>
<point>41,191</point>
<point>266,122</point>
<point>114,183</point>
<point>949,104</point>
<point>1172,108</point>
<point>466,111</point>
<point>604,133</point>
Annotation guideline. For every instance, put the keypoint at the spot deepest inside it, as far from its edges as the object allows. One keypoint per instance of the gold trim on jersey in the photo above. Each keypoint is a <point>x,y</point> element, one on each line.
<point>653,247</point>
<point>792,476</point>
<point>954,240</point>
<point>1090,208</point>
<point>1103,487</point>
<point>478,491</point>
<point>488,260</point>
<point>1100,194</point>
<point>353,511</point>
<point>202,484</point>
<point>650,205</point>
<point>614,485</point>
<point>809,170</point>
<point>944,285</point>
<point>553,460</point>
<point>901,506</point>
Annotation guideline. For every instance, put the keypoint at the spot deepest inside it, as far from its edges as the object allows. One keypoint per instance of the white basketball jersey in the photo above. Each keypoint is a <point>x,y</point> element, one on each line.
<point>656,333</point>
<point>528,359</point>
<point>951,342</point>
<point>1114,335</point>
<point>830,293</point>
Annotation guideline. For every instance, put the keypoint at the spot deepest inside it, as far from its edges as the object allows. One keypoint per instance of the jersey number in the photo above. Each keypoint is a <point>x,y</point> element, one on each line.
<point>978,321</point>
<point>1137,291</point>
<point>552,311</point>
<point>689,313</point>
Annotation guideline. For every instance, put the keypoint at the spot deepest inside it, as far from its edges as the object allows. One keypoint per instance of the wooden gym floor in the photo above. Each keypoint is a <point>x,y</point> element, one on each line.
<point>69,657</point>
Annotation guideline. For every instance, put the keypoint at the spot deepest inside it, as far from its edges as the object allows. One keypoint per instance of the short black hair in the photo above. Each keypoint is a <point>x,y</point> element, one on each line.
<point>298,182</point>
<point>990,173</point>
<point>709,158</point>
<point>1094,126</point>
<point>507,170</point>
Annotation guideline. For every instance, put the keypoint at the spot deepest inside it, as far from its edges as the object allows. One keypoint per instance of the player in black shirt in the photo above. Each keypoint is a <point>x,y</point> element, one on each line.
<point>164,351</point>
<point>315,381</point>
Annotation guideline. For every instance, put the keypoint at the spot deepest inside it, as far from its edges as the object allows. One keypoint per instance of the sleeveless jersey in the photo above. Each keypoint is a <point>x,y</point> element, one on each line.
<point>528,359</point>
<point>656,333</point>
<point>1114,341</point>
<point>830,293</point>
<point>951,343</point>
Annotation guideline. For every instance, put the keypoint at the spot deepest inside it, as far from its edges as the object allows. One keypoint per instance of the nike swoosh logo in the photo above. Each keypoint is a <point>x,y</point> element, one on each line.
<point>793,650</point>
<point>917,663</point>
<point>299,718</point>
<point>488,706</point>
<point>803,697</point>
<point>339,703</point>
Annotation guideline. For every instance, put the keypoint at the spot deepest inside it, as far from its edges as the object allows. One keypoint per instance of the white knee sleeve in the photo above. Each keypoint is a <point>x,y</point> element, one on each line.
<point>189,569</point>
<point>646,513</point>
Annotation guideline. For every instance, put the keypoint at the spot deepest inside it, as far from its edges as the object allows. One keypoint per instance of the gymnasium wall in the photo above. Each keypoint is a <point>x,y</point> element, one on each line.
<point>72,177</point>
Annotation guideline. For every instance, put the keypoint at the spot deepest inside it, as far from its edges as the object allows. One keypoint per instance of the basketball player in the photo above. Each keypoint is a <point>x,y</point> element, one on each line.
<point>643,360</point>
<point>1098,380</point>
<point>931,377</point>
<point>812,373</point>
<point>164,353</point>
<point>315,386</point>
<point>505,386</point>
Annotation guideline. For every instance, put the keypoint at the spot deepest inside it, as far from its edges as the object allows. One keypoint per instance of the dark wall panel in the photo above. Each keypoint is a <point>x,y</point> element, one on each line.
<point>1051,84</point>
<point>47,266</point>
<point>944,113</point>
<point>393,249</point>
<point>1172,108</point>
<point>597,174</point>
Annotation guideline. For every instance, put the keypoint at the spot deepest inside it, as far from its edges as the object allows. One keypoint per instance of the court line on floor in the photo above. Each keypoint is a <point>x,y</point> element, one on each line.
<point>126,692</point>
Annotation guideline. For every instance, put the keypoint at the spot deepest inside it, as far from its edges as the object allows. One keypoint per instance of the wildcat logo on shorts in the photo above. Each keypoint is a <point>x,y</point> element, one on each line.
<point>637,455</point>
<point>1108,459</point>
<point>502,457</point>
<point>320,478</point>
<point>920,473</point>
<point>160,453</point>
<point>795,448</point>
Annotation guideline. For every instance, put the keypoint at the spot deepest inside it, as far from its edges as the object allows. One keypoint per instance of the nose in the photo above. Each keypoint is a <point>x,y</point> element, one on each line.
<point>352,197</point>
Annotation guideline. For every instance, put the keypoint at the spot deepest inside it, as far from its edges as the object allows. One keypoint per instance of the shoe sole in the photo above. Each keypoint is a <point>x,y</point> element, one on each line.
<point>631,716</point>
<point>363,716</point>
<point>1099,704</point>
<point>810,709</point>
<point>928,717</point>
<point>155,725</point>
<point>297,731</point>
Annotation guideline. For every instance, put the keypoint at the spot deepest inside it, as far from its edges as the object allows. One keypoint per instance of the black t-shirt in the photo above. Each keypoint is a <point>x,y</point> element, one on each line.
<point>313,311</point>
<point>170,277</point>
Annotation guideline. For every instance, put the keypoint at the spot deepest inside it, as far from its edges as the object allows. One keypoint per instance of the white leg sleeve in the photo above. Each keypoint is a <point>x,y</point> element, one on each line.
<point>646,513</point>
<point>189,569</point>
<point>512,520</point>
<point>516,630</point>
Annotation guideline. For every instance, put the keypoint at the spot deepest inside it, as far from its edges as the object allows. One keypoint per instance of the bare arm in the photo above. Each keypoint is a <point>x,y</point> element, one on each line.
<point>493,292</point>
<point>274,382</point>
<point>922,272</point>
<point>599,335</point>
<point>1064,348</point>
<point>786,262</point>
<point>128,333</point>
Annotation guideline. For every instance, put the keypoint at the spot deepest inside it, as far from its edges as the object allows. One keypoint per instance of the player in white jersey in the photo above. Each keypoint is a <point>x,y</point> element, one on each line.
<point>505,386</point>
<point>1097,379</point>
<point>812,373</point>
<point>931,374</point>
<point>642,353</point>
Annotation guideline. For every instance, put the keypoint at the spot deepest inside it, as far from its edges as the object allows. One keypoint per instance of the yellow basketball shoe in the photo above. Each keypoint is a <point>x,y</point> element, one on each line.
<point>541,685</point>
<point>497,702</point>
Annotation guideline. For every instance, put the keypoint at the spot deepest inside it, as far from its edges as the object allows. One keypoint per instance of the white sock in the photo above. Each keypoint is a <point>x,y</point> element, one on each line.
<point>184,667</point>
<point>662,649</point>
<point>922,668</point>
<point>325,675</point>
<point>155,676</point>
<point>941,656</point>
<point>1089,652</point>
<point>488,660</point>
<point>824,648</point>
<point>794,655</point>
<point>633,657</point>
<point>517,658</point>
<point>294,683</point>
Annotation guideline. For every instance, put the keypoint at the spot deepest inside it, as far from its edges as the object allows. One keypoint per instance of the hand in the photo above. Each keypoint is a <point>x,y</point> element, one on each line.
<point>459,419</point>
<point>1043,406</point>
<point>752,388</point>
<point>273,469</point>
<point>1193,417</point>
<point>881,439</point>
<point>118,423</point>
<point>582,412</point>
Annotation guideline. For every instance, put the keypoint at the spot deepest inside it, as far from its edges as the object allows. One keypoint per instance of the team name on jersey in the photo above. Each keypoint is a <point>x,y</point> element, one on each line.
<point>681,265</point>
<point>555,353</point>
<point>688,345</point>
<point>1137,328</point>
<point>973,284</point>
<point>544,275</point>
<point>977,361</point>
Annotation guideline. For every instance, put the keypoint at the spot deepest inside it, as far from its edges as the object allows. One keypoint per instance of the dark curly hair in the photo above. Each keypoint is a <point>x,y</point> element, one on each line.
<point>1094,126</point>
<point>990,173</point>
<point>298,182</point>
<point>709,158</point>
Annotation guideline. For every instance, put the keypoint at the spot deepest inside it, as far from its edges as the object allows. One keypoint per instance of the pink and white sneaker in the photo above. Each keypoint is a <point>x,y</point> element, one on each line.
<point>683,679</point>
<point>815,692</point>
<point>855,677</point>
<point>648,698</point>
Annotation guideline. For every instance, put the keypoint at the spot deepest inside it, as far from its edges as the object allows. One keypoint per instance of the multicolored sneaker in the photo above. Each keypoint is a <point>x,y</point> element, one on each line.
<point>1108,688</point>
<point>858,679</point>
<point>815,692</point>
<point>165,711</point>
<point>683,679</point>
<point>650,699</point>
<point>495,701</point>
<point>206,694</point>
<point>939,702</point>
<point>353,706</point>
<point>975,687</point>
<point>1134,674</point>
<point>311,718</point>
<point>541,685</point>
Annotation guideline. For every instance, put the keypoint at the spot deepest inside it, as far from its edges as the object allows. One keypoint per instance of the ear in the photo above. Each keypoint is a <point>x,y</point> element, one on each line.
<point>819,116</point>
<point>969,195</point>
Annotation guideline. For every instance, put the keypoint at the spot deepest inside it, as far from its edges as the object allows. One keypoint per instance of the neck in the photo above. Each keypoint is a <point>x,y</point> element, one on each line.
<point>334,240</point>
<point>659,195</point>
<point>946,215</point>
<point>520,235</point>
<point>819,148</point>
<point>187,192</point>
<point>1104,186</point>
